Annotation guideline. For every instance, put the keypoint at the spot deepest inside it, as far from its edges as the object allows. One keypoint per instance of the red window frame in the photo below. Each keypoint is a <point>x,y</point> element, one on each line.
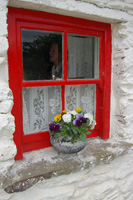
<point>18,19</point>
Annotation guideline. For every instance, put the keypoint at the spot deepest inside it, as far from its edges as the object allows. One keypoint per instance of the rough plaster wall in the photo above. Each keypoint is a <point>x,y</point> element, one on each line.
<point>7,127</point>
<point>122,80</point>
<point>124,5</point>
<point>112,181</point>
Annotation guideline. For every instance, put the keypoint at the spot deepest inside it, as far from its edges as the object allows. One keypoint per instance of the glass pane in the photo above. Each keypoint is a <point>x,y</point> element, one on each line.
<point>83,96</point>
<point>83,57</point>
<point>40,105</point>
<point>42,55</point>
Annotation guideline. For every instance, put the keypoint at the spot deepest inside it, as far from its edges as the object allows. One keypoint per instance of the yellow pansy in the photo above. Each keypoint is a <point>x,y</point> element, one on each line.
<point>78,110</point>
<point>57,118</point>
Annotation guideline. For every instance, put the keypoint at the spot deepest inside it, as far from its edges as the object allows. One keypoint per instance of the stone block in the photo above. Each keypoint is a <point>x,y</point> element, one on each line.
<point>7,126</point>
<point>6,106</point>
<point>3,45</point>
<point>129,1</point>
<point>3,5</point>
<point>4,75</point>
<point>5,92</point>
<point>123,170</point>
<point>7,149</point>
<point>2,60</point>
<point>126,184</point>
<point>4,166</point>
<point>104,189</point>
<point>3,24</point>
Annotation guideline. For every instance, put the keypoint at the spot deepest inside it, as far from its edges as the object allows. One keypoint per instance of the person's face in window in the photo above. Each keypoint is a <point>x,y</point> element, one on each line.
<point>54,54</point>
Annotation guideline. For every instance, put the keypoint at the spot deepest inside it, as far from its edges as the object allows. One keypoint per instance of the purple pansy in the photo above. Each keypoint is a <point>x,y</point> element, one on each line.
<point>79,120</point>
<point>54,128</point>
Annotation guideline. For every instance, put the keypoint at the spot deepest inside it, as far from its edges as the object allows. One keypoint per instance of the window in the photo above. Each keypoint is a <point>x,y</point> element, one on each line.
<point>56,63</point>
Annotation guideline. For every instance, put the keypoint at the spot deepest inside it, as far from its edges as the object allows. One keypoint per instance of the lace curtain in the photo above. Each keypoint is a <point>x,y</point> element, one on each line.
<point>82,96</point>
<point>83,56</point>
<point>40,105</point>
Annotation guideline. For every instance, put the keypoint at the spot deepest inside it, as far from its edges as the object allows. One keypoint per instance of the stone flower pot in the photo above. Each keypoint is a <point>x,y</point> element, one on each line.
<point>66,146</point>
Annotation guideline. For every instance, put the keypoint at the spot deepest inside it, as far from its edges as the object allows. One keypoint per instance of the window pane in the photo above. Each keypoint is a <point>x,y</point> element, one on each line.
<point>42,55</point>
<point>82,96</point>
<point>40,105</point>
<point>83,57</point>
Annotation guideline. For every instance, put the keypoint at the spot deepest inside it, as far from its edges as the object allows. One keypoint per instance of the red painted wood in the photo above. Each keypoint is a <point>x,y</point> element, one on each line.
<point>61,82</point>
<point>18,19</point>
<point>63,97</point>
<point>15,85</point>
<point>54,19</point>
<point>94,133</point>
<point>36,136</point>
<point>107,85</point>
<point>65,57</point>
<point>36,145</point>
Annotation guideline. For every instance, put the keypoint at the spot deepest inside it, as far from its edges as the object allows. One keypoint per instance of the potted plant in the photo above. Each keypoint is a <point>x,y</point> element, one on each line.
<point>69,129</point>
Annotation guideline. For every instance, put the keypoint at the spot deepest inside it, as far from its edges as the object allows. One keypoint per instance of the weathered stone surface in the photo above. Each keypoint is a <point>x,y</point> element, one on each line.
<point>47,163</point>
<point>3,24</point>
<point>2,60</point>
<point>84,185</point>
<point>125,5</point>
<point>3,5</point>
<point>7,149</point>
<point>3,45</point>
<point>6,125</point>
<point>6,106</point>
<point>5,92</point>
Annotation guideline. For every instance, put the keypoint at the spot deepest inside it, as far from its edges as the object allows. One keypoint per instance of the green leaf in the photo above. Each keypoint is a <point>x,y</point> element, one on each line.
<point>74,130</point>
<point>72,141</point>
<point>83,137</point>
<point>88,132</point>
<point>88,121</point>
<point>50,133</point>
<point>57,135</point>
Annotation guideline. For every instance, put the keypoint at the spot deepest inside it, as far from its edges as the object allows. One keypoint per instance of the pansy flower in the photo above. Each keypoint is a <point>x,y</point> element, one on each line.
<point>67,118</point>
<point>57,118</point>
<point>54,128</point>
<point>79,120</point>
<point>89,116</point>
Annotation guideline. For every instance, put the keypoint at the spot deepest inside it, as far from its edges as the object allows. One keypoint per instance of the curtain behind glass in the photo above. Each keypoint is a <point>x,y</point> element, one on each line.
<point>83,96</point>
<point>83,57</point>
<point>40,105</point>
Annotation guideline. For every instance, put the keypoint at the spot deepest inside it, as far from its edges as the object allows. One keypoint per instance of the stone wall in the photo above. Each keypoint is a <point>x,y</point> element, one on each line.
<point>7,126</point>
<point>102,182</point>
<point>122,80</point>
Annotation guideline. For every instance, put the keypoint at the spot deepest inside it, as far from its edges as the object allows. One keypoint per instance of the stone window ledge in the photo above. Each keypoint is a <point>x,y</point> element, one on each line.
<point>46,163</point>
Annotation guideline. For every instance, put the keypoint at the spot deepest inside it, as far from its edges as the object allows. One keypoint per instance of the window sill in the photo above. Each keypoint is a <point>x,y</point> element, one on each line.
<point>46,163</point>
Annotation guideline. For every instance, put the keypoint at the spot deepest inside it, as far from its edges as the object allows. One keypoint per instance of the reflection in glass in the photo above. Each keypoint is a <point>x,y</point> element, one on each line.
<point>83,57</point>
<point>40,105</point>
<point>42,55</point>
<point>82,96</point>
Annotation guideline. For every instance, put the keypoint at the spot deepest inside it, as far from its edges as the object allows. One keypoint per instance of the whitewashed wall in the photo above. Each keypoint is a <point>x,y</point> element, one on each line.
<point>7,126</point>
<point>120,15</point>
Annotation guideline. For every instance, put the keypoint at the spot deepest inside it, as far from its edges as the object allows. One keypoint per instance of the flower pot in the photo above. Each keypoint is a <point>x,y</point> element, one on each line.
<point>66,146</point>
